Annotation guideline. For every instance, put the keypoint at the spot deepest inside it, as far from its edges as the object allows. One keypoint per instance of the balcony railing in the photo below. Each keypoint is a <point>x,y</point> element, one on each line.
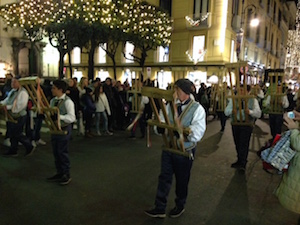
<point>198,21</point>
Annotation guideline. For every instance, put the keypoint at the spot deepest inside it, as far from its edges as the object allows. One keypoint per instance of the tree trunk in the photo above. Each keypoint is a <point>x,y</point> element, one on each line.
<point>115,68</point>
<point>61,64</point>
<point>142,64</point>
<point>70,64</point>
<point>91,68</point>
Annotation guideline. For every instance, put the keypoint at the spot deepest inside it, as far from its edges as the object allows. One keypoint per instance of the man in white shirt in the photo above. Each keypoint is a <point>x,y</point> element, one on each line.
<point>16,105</point>
<point>277,109</point>
<point>242,132</point>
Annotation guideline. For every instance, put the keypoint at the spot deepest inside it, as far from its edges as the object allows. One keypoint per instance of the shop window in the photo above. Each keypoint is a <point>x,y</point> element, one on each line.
<point>76,55</point>
<point>198,48</point>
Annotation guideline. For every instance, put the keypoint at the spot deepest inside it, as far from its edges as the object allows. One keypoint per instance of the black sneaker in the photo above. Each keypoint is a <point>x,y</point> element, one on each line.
<point>29,152</point>
<point>65,179</point>
<point>236,165</point>
<point>155,213</point>
<point>176,212</point>
<point>55,178</point>
<point>10,154</point>
<point>242,169</point>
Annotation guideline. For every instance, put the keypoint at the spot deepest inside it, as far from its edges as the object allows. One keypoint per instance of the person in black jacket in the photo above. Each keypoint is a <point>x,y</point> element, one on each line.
<point>88,109</point>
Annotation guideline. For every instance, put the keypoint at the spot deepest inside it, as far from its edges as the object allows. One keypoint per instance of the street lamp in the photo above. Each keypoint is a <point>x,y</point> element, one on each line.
<point>240,35</point>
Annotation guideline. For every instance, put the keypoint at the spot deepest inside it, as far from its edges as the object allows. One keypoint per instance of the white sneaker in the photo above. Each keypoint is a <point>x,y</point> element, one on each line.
<point>33,143</point>
<point>41,142</point>
<point>108,133</point>
<point>98,133</point>
<point>6,142</point>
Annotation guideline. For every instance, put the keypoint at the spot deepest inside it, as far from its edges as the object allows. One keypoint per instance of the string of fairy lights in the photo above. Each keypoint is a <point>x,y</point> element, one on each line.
<point>199,57</point>
<point>293,44</point>
<point>132,17</point>
<point>195,23</point>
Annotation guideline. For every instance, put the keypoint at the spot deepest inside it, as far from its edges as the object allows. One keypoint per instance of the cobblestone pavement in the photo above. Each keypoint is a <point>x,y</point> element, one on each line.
<point>115,179</point>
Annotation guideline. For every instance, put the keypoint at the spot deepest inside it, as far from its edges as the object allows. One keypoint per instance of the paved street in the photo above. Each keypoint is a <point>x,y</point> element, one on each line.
<point>115,179</point>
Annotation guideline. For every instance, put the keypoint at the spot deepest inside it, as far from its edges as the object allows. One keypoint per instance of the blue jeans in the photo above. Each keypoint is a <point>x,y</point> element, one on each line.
<point>105,121</point>
<point>38,121</point>
<point>60,148</point>
<point>180,166</point>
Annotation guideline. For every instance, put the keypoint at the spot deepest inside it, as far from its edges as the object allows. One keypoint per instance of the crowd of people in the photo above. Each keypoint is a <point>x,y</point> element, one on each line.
<point>102,107</point>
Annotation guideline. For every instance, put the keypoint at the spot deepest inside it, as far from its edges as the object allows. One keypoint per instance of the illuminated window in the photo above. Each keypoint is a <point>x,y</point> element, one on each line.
<point>2,70</point>
<point>102,53</point>
<point>103,75</point>
<point>163,54</point>
<point>164,78</point>
<point>76,55</point>
<point>129,76</point>
<point>129,48</point>
<point>77,74</point>
<point>198,48</point>
<point>198,75</point>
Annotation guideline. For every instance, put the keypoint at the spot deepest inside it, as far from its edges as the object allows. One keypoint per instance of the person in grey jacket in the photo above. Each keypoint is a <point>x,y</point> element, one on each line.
<point>192,116</point>
<point>288,191</point>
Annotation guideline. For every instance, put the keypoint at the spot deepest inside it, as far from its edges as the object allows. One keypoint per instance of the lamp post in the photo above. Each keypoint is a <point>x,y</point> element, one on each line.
<point>240,35</point>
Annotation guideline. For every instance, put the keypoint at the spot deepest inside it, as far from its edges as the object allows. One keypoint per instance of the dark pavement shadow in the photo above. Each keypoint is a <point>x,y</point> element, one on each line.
<point>209,145</point>
<point>233,208</point>
<point>256,143</point>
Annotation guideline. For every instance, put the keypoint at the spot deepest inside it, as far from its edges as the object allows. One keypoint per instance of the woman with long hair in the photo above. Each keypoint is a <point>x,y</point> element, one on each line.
<point>102,107</point>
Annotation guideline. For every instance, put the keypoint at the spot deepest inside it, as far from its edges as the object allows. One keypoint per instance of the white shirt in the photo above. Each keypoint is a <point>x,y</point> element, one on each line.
<point>295,96</point>
<point>102,104</point>
<point>70,107</point>
<point>255,112</point>
<point>285,101</point>
<point>260,94</point>
<point>144,101</point>
<point>20,101</point>
<point>81,91</point>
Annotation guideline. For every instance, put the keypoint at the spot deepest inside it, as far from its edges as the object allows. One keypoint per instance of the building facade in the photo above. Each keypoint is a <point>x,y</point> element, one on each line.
<point>206,35</point>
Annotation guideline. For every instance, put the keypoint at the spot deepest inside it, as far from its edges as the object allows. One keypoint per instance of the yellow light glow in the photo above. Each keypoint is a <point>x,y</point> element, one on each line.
<point>254,22</point>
